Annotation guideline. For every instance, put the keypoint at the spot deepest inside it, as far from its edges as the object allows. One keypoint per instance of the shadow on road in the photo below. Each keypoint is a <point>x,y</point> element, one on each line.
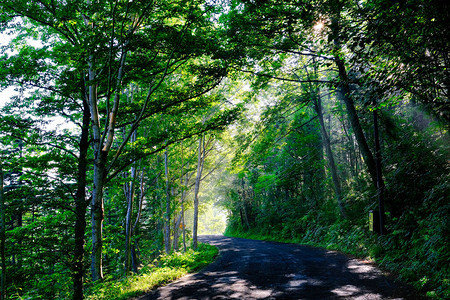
<point>248,269</point>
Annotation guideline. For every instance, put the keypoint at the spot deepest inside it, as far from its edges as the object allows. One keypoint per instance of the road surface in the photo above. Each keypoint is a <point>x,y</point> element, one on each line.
<point>249,269</point>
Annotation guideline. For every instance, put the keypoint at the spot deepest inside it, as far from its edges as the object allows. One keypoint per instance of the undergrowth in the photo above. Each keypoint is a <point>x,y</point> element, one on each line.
<point>165,269</point>
<point>420,260</point>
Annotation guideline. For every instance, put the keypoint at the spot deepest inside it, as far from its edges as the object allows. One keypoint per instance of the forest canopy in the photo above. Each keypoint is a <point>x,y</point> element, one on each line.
<point>130,122</point>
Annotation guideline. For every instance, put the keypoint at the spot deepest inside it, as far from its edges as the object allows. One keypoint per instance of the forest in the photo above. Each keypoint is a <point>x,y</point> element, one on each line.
<point>129,127</point>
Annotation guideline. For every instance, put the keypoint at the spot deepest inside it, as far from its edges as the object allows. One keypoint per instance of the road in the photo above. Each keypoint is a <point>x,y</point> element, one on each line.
<point>249,269</point>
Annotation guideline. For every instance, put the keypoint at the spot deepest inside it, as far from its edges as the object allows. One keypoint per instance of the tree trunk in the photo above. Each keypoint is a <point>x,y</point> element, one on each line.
<point>176,230</point>
<point>2,236</point>
<point>97,216</point>
<point>134,247</point>
<point>201,149</point>
<point>330,156</point>
<point>351,152</point>
<point>343,93</point>
<point>380,182</point>
<point>183,197</point>
<point>129,195</point>
<point>327,144</point>
<point>81,206</point>
<point>167,213</point>
<point>183,185</point>
<point>184,228</point>
<point>97,213</point>
<point>102,143</point>
<point>134,257</point>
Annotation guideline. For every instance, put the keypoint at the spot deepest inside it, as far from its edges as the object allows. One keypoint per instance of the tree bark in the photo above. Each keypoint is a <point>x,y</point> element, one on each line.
<point>183,197</point>
<point>344,95</point>
<point>201,149</point>
<point>330,156</point>
<point>176,230</point>
<point>81,206</point>
<point>134,247</point>
<point>167,213</point>
<point>134,257</point>
<point>97,216</point>
<point>129,195</point>
<point>97,209</point>
<point>102,145</point>
<point>2,236</point>
<point>380,182</point>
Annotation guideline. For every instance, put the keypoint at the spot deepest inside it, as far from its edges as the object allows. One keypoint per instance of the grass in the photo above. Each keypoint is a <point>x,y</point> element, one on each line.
<point>166,269</point>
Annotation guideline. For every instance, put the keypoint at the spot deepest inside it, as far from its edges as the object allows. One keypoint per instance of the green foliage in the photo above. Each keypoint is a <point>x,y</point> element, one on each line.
<point>134,286</point>
<point>166,268</point>
<point>390,55</point>
<point>395,56</point>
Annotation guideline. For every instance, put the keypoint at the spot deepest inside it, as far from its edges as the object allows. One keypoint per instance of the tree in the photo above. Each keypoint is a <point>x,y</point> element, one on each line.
<point>153,41</point>
<point>2,235</point>
<point>167,214</point>
<point>200,162</point>
<point>409,41</point>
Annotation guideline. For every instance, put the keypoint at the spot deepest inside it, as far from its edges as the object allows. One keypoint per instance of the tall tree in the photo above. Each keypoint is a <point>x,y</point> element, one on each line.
<point>167,213</point>
<point>409,41</point>
<point>106,39</point>
<point>200,162</point>
<point>2,235</point>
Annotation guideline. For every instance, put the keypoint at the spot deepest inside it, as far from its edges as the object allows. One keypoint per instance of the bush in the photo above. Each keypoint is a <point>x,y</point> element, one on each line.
<point>165,269</point>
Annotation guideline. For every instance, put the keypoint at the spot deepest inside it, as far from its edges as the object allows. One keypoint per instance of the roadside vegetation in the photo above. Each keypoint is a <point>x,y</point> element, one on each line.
<point>164,269</point>
<point>418,261</point>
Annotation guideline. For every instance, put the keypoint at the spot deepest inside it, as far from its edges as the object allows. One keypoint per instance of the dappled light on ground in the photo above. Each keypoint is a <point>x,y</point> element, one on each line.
<point>247,269</point>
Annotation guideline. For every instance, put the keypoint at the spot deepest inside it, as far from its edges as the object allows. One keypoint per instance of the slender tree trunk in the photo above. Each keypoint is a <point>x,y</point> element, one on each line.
<point>175,234</point>
<point>244,209</point>
<point>330,156</point>
<point>134,257</point>
<point>196,190</point>
<point>329,152</point>
<point>97,213</point>
<point>343,93</point>
<point>380,182</point>
<point>327,145</point>
<point>129,192</point>
<point>241,215</point>
<point>321,175</point>
<point>134,247</point>
<point>352,151</point>
<point>102,145</point>
<point>99,168</point>
<point>2,236</point>
<point>129,195</point>
<point>81,206</point>
<point>183,197</point>
<point>184,227</point>
<point>176,230</point>
<point>167,213</point>
<point>97,216</point>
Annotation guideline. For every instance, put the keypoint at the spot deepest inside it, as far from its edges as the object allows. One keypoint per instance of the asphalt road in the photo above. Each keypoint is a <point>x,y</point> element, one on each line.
<point>248,269</point>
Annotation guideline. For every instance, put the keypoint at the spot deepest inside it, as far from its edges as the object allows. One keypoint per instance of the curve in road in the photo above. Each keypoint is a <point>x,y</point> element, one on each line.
<point>249,269</point>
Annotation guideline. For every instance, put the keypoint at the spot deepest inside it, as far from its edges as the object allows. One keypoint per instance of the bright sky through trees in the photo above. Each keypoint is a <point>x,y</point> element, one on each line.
<point>5,94</point>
